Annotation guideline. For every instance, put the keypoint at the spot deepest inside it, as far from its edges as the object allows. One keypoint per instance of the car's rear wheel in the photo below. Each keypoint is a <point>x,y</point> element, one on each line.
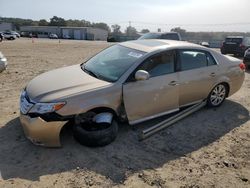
<point>217,95</point>
<point>94,134</point>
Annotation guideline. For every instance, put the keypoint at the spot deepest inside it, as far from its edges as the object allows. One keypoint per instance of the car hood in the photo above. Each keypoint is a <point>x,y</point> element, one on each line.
<point>60,83</point>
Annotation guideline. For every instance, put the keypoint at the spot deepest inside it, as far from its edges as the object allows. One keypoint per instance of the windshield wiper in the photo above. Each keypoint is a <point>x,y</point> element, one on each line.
<point>89,72</point>
<point>95,75</point>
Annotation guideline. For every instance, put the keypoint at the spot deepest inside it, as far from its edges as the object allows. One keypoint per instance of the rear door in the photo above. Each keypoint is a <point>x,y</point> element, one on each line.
<point>197,74</point>
<point>156,96</point>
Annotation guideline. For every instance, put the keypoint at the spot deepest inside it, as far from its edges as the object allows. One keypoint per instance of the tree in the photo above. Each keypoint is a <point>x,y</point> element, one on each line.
<point>57,21</point>
<point>116,29</point>
<point>145,31</point>
<point>101,26</point>
<point>74,23</point>
<point>130,31</point>
<point>86,23</point>
<point>43,22</point>
<point>178,30</point>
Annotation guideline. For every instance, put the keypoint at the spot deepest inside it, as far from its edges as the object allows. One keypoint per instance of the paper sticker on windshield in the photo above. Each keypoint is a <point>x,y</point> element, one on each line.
<point>134,54</point>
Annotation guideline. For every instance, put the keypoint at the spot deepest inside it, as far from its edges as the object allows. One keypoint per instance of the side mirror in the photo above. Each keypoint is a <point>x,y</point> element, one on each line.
<point>141,75</point>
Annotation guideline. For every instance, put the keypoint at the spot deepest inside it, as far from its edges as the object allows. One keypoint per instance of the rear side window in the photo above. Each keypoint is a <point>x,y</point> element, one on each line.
<point>192,59</point>
<point>159,64</point>
<point>210,60</point>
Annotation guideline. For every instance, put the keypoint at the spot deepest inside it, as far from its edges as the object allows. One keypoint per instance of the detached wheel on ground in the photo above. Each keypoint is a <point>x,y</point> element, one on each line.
<point>92,134</point>
<point>217,95</point>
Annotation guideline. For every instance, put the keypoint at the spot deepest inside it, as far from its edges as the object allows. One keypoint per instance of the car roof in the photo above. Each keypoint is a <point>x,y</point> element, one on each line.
<point>150,45</point>
<point>163,33</point>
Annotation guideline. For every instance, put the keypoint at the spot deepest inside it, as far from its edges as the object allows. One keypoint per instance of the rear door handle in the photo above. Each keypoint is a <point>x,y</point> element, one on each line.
<point>173,83</point>
<point>212,74</point>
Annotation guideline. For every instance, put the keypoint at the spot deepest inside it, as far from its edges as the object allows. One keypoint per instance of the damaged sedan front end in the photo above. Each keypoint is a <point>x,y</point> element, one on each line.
<point>36,125</point>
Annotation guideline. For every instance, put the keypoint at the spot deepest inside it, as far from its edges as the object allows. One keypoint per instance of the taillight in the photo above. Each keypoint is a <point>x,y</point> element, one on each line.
<point>242,46</point>
<point>242,66</point>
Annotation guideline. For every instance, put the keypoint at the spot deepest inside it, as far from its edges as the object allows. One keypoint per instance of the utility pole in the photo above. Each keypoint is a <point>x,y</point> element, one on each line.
<point>129,23</point>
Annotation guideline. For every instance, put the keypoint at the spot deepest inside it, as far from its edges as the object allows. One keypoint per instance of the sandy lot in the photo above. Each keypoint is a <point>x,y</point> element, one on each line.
<point>210,148</point>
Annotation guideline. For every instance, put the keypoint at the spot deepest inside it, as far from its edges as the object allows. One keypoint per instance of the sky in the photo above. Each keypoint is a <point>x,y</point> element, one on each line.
<point>192,15</point>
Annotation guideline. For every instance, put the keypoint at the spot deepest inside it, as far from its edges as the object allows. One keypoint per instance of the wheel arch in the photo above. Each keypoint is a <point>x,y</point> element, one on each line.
<point>95,109</point>
<point>103,109</point>
<point>225,81</point>
<point>227,86</point>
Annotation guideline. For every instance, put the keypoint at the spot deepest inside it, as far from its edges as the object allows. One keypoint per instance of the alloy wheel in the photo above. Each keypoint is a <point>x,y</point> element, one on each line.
<point>218,95</point>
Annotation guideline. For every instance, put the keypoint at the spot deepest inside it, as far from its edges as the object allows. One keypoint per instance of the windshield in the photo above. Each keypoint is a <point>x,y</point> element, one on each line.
<point>236,40</point>
<point>151,36</point>
<point>111,63</point>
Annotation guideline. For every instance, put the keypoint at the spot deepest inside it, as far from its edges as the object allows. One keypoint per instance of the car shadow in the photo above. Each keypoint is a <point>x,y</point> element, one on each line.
<point>21,159</point>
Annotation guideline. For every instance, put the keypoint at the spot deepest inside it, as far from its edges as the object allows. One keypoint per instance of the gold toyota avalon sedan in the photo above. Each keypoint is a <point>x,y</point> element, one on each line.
<point>132,81</point>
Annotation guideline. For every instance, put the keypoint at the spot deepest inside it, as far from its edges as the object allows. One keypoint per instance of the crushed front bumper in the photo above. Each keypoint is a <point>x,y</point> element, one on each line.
<point>41,132</point>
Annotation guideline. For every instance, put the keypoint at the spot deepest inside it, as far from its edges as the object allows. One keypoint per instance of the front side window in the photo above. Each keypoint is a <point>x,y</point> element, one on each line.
<point>111,63</point>
<point>159,64</point>
<point>170,36</point>
<point>150,36</point>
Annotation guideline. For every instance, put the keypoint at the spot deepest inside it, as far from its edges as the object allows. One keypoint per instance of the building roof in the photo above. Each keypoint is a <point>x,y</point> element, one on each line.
<point>58,27</point>
<point>150,45</point>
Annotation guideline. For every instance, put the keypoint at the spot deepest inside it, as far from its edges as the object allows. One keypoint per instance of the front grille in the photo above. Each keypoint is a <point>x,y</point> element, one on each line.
<point>25,105</point>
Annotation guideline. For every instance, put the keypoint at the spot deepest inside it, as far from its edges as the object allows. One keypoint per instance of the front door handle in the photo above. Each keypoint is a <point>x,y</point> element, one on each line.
<point>212,74</point>
<point>173,83</point>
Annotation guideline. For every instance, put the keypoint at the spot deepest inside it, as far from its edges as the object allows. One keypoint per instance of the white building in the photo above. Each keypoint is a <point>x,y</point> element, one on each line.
<point>78,33</point>
<point>6,26</point>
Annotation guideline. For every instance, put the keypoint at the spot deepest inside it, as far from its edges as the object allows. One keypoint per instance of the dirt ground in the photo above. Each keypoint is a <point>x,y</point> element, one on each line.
<point>210,148</point>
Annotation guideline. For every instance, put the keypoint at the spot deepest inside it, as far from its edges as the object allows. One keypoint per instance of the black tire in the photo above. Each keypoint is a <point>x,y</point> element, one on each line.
<point>98,137</point>
<point>221,95</point>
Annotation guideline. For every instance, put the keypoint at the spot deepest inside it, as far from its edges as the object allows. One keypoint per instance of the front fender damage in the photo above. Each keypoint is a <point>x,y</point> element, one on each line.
<point>41,132</point>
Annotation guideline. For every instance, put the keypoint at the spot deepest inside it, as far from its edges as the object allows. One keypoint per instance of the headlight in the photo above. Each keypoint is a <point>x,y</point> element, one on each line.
<point>42,108</point>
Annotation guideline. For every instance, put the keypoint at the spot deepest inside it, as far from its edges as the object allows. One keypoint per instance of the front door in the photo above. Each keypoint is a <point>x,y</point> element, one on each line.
<point>156,96</point>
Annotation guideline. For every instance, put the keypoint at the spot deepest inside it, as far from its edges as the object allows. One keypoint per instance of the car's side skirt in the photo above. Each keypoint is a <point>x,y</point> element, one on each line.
<point>162,114</point>
<point>191,103</point>
<point>153,116</point>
